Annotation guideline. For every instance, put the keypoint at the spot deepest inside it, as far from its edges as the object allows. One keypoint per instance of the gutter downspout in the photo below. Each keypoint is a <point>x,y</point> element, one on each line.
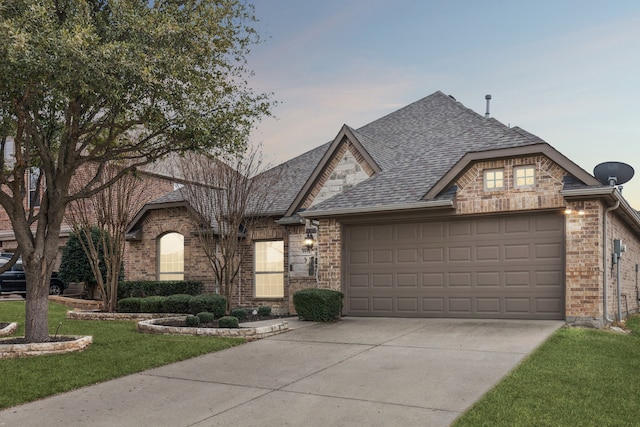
<point>605,259</point>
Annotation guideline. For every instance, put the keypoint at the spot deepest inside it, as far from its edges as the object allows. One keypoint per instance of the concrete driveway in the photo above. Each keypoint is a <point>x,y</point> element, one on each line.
<point>356,372</point>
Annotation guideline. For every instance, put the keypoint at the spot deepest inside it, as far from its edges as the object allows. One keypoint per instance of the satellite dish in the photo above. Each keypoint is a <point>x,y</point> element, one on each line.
<point>613,173</point>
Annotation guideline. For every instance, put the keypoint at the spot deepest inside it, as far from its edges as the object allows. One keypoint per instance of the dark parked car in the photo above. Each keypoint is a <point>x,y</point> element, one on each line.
<point>13,280</point>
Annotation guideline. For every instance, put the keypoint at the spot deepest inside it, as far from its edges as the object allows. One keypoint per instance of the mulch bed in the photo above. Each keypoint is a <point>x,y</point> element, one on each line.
<point>21,340</point>
<point>181,323</point>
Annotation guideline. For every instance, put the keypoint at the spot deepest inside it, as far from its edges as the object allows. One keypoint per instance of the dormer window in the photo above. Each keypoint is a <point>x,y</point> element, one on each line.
<point>494,179</point>
<point>524,176</point>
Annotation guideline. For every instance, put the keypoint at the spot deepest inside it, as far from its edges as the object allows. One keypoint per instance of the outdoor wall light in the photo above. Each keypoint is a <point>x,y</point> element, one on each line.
<point>578,211</point>
<point>309,242</point>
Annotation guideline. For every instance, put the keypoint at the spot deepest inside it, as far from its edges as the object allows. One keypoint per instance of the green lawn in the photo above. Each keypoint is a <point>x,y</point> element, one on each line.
<point>579,377</point>
<point>117,350</point>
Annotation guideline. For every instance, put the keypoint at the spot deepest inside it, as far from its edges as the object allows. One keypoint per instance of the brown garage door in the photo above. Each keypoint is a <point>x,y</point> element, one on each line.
<point>489,267</point>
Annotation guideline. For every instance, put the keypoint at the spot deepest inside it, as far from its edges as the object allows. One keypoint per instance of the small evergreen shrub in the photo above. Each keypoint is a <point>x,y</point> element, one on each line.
<point>216,304</point>
<point>153,304</point>
<point>239,313</point>
<point>318,305</point>
<point>178,303</point>
<point>264,311</point>
<point>228,322</point>
<point>192,321</point>
<point>129,305</point>
<point>146,288</point>
<point>206,317</point>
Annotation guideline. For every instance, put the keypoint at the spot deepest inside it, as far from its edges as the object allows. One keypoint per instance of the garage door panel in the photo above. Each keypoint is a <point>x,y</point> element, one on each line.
<point>549,278</point>
<point>460,229</point>
<point>406,256</point>
<point>460,305</point>
<point>517,278</point>
<point>407,305</point>
<point>459,254</point>
<point>549,305</point>
<point>359,257</point>
<point>517,225</point>
<point>488,253</point>
<point>488,279</point>
<point>518,305</point>
<point>488,305</point>
<point>408,280</point>
<point>409,232</point>
<point>460,279</point>
<point>517,252</point>
<point>382,233</point>
<point>487,228</point>
<point>382,305</point>
<point>382,280</point>
<point>548,250</point>
<point>489,267</point>
<point>433,280</point>
<point>433,255</point>
<point>382,256</point>
<point>433,305</point>
<point>358,280</point>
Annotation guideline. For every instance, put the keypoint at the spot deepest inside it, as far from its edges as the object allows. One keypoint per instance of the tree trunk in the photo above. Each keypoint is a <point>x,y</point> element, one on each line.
<point>38,277</point>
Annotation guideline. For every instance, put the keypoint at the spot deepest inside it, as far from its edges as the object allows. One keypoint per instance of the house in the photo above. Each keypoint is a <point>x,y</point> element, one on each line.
<point>430,211</point>
<point>157,178</point>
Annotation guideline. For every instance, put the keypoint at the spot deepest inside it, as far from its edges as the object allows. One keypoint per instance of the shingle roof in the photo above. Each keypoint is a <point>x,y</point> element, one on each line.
<point>293,176</point>
<point>417,145</point>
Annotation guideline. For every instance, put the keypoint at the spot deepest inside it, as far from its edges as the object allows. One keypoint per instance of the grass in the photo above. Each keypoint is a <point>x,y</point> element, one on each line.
<point>579,377</point>
<point>117,350</point>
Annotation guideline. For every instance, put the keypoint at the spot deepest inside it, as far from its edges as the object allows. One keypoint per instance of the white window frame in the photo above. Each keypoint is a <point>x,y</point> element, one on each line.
<point>177,273</point>
<point>491,179</point>
<point>528,180</point>
<point>266,270</point>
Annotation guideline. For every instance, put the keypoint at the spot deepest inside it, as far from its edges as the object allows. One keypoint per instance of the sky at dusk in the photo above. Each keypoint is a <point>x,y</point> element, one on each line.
<point>566,71</point>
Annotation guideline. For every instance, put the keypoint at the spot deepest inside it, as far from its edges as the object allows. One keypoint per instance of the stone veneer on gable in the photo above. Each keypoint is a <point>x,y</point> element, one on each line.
<point>346,168</point>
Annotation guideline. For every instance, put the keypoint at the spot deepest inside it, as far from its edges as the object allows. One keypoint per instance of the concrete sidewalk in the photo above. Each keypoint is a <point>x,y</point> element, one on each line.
<point>356,372</point>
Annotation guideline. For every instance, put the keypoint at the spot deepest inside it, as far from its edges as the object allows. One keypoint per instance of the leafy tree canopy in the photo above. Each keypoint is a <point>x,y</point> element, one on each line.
<point>91,81</point>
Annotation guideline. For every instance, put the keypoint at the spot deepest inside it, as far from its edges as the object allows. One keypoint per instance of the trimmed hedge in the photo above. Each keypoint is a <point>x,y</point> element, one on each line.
<point>178,303</point>
<point>142,288</point>
<point>228,322</point>
<point>318,305</point>
<point>239,313</point>
<point>216,304</point>
<point>192,321</point>
<point>206,317</point>
<point>129,305</point>
<point>264,310</point>
<point>153,304</point>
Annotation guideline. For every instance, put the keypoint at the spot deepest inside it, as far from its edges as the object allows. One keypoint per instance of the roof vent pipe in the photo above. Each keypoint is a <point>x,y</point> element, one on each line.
<point>488,98</point>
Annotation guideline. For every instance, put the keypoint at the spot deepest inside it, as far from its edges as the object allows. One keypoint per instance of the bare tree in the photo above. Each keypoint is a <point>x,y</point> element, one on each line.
<point>111,210</point>
<point>227,209</point>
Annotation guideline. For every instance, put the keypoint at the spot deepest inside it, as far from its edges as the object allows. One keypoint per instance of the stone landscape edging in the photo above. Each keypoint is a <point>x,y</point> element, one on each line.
<point>9,329</point>
<point>102,315</point>
<point>249,333</point>
<point>10,351</point>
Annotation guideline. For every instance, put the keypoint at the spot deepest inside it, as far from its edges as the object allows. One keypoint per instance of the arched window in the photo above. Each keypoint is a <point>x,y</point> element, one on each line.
<point>171,257</point>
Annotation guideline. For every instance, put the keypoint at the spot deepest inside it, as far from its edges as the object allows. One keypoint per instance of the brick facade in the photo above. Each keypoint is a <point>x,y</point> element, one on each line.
<point>154,187</point>
<point>583,237</point>
<point>472,198</point>
<point>584,274</point>
<point>141,259</point>
<point>629,286</point>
